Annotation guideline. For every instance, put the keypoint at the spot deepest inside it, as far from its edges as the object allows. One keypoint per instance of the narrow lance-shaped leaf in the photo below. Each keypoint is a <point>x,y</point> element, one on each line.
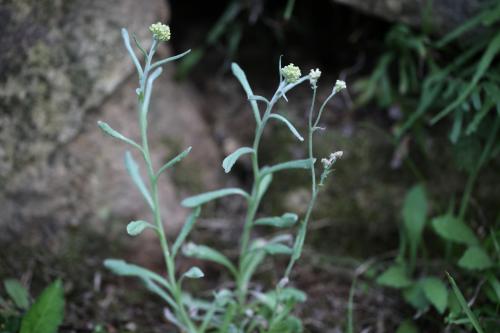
<point>17,293</point>
<point>463,304</point>
<point>231,159</point>
<point>167,60</point>
<point>240,75</point>
<point>414,216</point>
<point>284,221</point>
<point>147,96</point>
<point>135,228</point>
<point>47,312</point>
<point>122,268</point>
<point>297,164</point>
<point>264,185</point>
<point>133,171</point>
<point>287,123</point>
<point>277,248</point>
<point>126,41</point>
<point>207,253</point>
<point>203,198</point>
<point>186,229</point>
<point>174,161</point>
<point>117,135</point>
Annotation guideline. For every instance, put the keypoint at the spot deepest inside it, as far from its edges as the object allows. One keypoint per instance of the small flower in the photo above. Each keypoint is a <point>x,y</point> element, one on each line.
<point>328,162</point>
<point>291,73</point>
<point>161,32</point>
<point>339,85</point>
<point>314,75</point>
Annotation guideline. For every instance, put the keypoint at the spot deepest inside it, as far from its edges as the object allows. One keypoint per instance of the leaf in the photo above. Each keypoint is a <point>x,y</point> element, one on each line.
<point>465,307</point>
<point>135,228</point>
<point>414,295</point>
<point>414,216</point>
<point>284,221</point>
<point>297,164</point>
<point>287,123</point>
<point>115,134</point>
<point>436,292</point>
<point>203,198</point>
<point>122,268</point>
<point>207,253</point>
<point>475,258</point>
<point>407,327</point>
<point>174,161</point>
<point>133,171</point>
<point>240,75</point>
<point>47,312</point>
<point>264,185</point>
<point>395,277</point>
<point>481,68</point>
<point>231,159</point>
<point>194,273</point>
<point>186,229</point>
<point>277,248</point>
<point>126,41</point>
<point>169,59</point>
<point>453,229</point>
<point>17,293</point>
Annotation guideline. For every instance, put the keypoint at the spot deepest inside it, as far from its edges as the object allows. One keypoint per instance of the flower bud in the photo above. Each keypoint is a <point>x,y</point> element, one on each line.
<point>291,73</point>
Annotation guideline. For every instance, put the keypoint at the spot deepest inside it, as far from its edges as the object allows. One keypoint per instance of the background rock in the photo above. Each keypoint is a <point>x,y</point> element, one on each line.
<point>60,61</point>
<point>444,15</point>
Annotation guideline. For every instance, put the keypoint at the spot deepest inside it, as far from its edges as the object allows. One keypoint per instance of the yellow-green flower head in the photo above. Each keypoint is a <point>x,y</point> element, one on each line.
<point>161,32</point>
<point>291,73</point>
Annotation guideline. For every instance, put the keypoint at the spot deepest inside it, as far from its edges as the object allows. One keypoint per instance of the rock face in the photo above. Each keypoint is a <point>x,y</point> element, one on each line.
<point>444,15</point>
<point>63,67</point>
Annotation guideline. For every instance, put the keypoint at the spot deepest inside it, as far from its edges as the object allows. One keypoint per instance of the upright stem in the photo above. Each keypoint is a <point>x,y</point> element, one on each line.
<point>169,262</point>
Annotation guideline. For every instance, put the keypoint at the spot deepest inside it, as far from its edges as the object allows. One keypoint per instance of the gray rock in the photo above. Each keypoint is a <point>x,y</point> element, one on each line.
<point>63,67</point>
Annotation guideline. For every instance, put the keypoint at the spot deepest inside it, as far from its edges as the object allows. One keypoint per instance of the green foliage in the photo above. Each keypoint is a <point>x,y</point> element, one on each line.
<point>44,315</point>
<point>242,309</point>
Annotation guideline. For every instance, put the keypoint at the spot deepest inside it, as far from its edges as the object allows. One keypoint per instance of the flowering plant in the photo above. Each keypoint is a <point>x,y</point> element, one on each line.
<point>240,309</point>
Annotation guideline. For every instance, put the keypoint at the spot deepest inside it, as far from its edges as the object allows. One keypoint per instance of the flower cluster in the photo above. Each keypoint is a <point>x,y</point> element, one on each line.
<point>291,73</point>
<point>328,162</point>
<point>339,85</point>
<point>314,75</point>
<point>160,31</point>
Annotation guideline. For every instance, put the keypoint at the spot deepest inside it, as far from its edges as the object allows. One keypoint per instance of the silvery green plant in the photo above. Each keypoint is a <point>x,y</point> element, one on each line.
<point>241,309</point>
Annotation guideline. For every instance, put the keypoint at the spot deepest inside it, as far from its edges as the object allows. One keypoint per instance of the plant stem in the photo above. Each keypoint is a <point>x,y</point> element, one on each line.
<point>153,180</point>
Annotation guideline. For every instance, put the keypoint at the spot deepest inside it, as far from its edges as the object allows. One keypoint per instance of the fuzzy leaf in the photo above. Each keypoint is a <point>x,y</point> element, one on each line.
<point>264,185</point>
<point>231,159</point>
<point>17,293</point>
<point>453,229</point>
<point>115,134</point>
<point>47,312</point>
<point>475,258</point>
<point>135,228</point>
<point>240,75</point>
<point>203,198</point>
<point>284,221</point>
<point>133,171</point>
<point>435,291</point>
<point>277,248</point>
<point>287,123</point>
<point>174,161</point>
<point>207,253</point>
<point>297,164</point>
<point>395,277</point>
<point>122,268</point>
<point>186,229</point>
<point>194,273</point>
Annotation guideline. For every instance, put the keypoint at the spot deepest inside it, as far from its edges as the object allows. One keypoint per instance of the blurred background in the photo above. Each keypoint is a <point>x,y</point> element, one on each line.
<point>419,127</point>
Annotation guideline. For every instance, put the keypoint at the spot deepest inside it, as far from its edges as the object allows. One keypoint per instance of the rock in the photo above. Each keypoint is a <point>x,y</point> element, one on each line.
<point>445,15</point>
<point>63,67</point>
